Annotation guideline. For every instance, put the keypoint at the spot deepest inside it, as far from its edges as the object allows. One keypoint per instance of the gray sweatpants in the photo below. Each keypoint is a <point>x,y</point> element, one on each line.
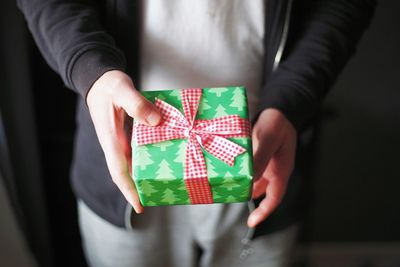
<point>171,237</point>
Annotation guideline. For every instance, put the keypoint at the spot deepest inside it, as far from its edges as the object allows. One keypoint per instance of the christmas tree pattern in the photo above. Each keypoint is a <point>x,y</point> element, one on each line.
<point>164,170</point>
<point>151,203</point>
<point>203,106</point>
<point>163,145</point>
<point>181,186</point>
<point>229,182</point>
<point>147,188</point>
<point>243,141</point>
<point>182,193</point>
<point>211,169</point>
<point>143,157</point>
<point>220,111</point>
<point>246,193</point>
<point>167,191</point>
<point>230,189</point>
<point>244,165</point>
<point>216,197</point>
<point>169,197</point>
<point>218,91</point>
<point>181,153</point>
<point>238,99</point>
<point>176,94</point>
<point>158,168</point>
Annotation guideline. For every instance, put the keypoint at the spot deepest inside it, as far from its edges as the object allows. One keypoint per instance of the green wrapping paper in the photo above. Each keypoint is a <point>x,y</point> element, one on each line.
<point>158,169</point>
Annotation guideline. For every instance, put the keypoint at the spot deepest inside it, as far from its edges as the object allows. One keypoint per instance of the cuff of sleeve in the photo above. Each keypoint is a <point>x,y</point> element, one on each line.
<point>89,65</point>
<point>295,107</point>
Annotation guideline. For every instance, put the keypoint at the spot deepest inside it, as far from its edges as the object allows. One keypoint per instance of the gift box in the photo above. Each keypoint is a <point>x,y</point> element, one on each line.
<point>201,152</point>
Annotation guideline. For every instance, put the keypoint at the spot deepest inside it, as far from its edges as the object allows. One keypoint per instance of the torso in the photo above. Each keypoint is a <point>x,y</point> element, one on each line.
<point>188,43</point>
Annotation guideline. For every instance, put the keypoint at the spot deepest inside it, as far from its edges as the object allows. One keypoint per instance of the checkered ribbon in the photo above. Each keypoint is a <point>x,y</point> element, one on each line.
<point>209,134</point>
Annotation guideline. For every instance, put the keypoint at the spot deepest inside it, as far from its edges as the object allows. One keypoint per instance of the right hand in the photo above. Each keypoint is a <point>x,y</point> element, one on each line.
<point>110,99</point>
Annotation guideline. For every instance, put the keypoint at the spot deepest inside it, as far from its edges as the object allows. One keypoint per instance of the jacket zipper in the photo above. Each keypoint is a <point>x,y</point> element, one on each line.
<point>246,240</point>
<point>285,31</point>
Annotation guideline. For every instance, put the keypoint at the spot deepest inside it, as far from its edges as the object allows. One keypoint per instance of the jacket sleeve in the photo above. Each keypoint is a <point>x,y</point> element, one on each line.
<point>72,40</point>
<point>320,48</point>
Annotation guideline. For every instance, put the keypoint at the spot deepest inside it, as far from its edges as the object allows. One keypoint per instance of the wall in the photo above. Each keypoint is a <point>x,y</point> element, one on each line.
<point>357,178</point>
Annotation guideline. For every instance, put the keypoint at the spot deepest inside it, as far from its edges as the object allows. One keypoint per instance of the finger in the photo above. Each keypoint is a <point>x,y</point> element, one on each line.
<point>137,106</point>
<point>260,213</point>
<point>277,174</point>
<point>112,138</point>
<point>263,149</point>
<point>259,188</point>
<point>118,166</point>
<point>274,194</point>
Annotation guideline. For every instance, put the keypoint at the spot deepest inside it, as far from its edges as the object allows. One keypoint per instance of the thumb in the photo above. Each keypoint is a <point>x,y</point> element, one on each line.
<point>138,107</point>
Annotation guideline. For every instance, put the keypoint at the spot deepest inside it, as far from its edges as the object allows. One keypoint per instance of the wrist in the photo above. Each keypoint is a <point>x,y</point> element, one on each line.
<point>107,84</point>
<point>276,117</point>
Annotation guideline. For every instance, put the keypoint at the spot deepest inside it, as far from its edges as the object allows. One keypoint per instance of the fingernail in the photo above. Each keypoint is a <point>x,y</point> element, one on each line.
<point>154,118</point>
<point>252,221</point>
<point>137,207</point>
<point>138,211</point>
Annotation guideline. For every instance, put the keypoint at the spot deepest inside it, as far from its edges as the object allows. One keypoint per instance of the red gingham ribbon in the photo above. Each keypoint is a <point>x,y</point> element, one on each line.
<point>209,134</point>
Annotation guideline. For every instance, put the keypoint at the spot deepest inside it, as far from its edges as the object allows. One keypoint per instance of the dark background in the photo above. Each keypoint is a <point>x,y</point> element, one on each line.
<point>356,181</point>
<point>357,178</point>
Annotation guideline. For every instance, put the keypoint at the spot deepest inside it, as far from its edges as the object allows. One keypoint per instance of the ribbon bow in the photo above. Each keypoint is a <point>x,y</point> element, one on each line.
<point>209,134</point>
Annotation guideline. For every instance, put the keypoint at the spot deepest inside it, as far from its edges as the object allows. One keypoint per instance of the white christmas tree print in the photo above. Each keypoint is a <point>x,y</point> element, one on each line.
<point>203,106</point>
<point>175,93</point>
<point>151,203</point>
<point>220,111</point>
<point>229,183</point>
<point>163,145</point>
<point>245,193</point>
<point>231,199</point>
<point>143,157</point>
<point>211,169</point>
<point>147,188</point>
<point>244,165</point>
<point>216,196</point>
<point>182,186</point>
<point>242,141</point>
<point>164,171</point>
<point>238,99</point>
<point>218,91</point>
<point>169,196</point>
<point>181,154</point>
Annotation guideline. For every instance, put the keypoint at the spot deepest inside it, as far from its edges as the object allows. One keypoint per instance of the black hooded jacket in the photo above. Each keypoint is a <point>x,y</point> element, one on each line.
<point>307,44</point>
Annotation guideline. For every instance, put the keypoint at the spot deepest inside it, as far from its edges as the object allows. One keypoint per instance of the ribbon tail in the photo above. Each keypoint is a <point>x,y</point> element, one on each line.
<point>196,178</point>
<point>143,135</point>
<point>222,148</point>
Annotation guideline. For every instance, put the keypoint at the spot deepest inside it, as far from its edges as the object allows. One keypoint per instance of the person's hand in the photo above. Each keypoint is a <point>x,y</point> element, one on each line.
<point>110,98</point>
<point>274,148</point>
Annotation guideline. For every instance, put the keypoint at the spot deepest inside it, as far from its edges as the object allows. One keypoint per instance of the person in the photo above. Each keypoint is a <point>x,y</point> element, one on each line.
<point>287,53</point>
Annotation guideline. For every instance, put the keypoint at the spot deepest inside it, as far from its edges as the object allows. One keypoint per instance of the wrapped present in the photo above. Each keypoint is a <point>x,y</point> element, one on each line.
<point>201,152</point>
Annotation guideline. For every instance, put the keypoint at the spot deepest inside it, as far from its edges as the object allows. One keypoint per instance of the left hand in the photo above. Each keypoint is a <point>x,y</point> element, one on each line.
<point>274,149</point>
